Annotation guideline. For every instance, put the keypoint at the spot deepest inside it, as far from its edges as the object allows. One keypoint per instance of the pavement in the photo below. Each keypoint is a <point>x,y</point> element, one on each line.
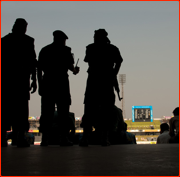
<point>94,160</point>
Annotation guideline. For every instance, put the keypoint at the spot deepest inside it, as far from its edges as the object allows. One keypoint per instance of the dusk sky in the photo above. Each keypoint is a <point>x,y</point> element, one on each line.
<point>146,33</point>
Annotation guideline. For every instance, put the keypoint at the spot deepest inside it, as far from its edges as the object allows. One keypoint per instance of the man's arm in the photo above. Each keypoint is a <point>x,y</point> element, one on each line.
<point>39,75</point>
<point>75,70</point>
<point>116,68</point>
<point>39,72</point>
<point>34,66</point>
<point>118,61</point>
<point>33,78</point>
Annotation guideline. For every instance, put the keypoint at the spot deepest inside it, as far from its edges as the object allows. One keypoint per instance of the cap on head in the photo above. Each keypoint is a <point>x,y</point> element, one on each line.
<point>101,36</point>
<point>20,26</point>
<point>60,34</point>
<point>100,33</point>
<point>21,22</point>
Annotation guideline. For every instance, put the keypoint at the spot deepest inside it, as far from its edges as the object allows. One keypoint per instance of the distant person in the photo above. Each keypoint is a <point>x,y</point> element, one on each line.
<point>54,133</point>
<point>54,62</point>
<point>104,60</point>
<point>116,127</point>
<point>174,127</point>
<point>129,137</point>
<point>18,64</point>
<point>164,136</point>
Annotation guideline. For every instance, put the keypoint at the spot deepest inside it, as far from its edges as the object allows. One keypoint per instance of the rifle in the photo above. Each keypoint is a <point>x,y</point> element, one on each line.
<point>76,64</point>
<point>116,87</point>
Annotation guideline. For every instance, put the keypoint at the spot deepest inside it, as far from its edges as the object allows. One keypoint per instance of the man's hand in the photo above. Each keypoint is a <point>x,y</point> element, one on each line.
<point>33,86</point>
<point>76,70</point>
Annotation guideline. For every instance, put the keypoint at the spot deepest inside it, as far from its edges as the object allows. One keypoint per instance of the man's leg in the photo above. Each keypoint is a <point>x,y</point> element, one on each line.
<point>47,114</point>
<point>22,125</point>
<point>63,119</point>
<point>87,124</point>
<point>107,113</point>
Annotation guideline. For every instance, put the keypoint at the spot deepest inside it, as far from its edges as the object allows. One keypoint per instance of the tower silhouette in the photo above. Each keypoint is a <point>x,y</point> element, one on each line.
<point>122,80</point>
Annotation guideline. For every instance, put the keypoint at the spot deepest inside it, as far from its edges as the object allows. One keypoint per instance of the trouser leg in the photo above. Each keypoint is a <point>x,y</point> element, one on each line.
<point>63,122</point>
<point>88,120</point>
<point>87,125</point>
<point>24,125</point>
<point>107,113</point>
<point>63,119</point>
<point>47,114</point>
<point>20,124</point>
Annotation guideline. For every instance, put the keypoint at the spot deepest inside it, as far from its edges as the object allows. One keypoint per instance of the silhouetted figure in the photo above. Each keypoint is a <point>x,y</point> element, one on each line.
<point>164,136</point>
<point>115,127</point>
<point>18,64</point>
<point>174,127</point>
<point>54,61</point>
<point>129,137</point>
<point>54,133</point>
<point>104,60</point>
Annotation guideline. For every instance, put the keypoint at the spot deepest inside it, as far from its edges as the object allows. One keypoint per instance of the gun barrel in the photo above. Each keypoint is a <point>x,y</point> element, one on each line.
<point>77,62</point>
<point>119,97</point>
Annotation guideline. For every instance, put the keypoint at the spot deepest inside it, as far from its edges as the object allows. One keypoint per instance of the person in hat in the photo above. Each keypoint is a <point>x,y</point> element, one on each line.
<point>104,60</point>
<point>18,65</point>
<point>54,62</point>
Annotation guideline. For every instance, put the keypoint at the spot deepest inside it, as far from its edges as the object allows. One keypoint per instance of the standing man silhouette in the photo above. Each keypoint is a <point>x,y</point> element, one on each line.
<point>18,64</point>
<point>104,60</point>
<point>54,61</point>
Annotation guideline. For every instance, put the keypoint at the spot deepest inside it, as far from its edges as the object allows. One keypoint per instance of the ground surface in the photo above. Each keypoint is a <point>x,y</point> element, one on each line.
<point>120,160</point>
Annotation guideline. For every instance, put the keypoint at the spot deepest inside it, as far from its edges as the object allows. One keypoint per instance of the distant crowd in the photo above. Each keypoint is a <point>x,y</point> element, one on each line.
<point>170,133</point>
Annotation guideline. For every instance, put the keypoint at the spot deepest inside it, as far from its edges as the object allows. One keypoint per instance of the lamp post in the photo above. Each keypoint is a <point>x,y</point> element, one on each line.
<point>122,80</point>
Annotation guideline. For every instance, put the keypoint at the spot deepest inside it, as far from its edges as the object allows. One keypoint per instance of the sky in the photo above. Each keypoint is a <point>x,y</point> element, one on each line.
<point>146,33</point>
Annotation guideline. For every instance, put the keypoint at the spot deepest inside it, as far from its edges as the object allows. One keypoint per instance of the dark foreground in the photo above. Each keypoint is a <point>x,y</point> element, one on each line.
<point>120,160</point>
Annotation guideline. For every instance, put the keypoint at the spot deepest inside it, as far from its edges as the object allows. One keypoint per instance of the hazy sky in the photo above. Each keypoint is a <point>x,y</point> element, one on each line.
<point>147,34</point>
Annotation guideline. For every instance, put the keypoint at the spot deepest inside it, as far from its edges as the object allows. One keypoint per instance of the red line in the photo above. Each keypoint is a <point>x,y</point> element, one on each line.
<point>0,87</point>
<point>91,0</point>
<point>179,96</point>
<point>179,84</point>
